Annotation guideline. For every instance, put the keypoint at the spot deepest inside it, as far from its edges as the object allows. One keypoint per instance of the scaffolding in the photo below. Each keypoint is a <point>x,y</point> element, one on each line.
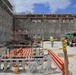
<point>33,61</point>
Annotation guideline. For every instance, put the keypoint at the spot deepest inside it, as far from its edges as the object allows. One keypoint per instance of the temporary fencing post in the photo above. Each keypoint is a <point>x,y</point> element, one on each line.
<point>64,45</point>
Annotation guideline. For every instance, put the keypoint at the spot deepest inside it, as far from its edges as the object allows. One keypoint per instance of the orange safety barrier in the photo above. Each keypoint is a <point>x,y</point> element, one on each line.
<point>58,62</point>
<point>24,53</point>
<point>10,54</point>
<point>27,54</point>
<point>20,52</point>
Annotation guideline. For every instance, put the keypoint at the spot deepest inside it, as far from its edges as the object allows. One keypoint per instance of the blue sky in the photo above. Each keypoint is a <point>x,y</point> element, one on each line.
<point>44,6</point>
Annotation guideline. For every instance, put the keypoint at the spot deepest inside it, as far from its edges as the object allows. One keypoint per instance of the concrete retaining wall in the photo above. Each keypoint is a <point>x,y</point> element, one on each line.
<point>6,22</point>
<point>46,28</point>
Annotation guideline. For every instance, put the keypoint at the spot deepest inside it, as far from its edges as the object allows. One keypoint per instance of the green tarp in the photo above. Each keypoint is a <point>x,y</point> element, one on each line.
<point>66,35</point>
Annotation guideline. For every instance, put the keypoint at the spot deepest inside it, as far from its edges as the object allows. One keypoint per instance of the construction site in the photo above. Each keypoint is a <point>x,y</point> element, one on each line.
<point>25,47</point>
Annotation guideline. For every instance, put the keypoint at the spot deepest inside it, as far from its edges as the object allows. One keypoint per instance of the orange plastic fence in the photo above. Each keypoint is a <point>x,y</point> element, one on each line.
<point>58,62</point>
<point>11,53</point>
<point>24,52</point>
<point>20,52</point>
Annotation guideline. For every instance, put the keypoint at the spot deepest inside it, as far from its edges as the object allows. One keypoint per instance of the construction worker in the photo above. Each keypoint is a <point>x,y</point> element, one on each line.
<point>52,41</point>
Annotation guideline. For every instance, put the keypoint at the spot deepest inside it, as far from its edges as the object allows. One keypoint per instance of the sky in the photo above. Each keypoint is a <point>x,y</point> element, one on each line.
<point>44,6</point>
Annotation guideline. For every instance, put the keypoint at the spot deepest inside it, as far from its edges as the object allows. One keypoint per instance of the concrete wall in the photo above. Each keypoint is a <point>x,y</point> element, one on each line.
<point>6,22</point>
<point>47,27</point>
<point>75,24</point>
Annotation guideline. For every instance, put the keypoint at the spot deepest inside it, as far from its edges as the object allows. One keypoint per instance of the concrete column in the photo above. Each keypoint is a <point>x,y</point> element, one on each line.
<point>0,63</point>
<point>17,62</point>
<point>23,64</point>
<point>8,51</point>
<point>5,65</point>
<point>11,62</point>
<point>60,25</point>
<point>74,24</point>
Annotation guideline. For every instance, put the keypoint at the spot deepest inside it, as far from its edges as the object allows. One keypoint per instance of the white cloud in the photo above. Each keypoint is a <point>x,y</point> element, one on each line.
<point>58,4</point>
<point>28,5</point>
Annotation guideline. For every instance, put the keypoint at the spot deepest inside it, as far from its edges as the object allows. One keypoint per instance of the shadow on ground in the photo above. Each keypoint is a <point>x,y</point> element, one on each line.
<point>69,55</point>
